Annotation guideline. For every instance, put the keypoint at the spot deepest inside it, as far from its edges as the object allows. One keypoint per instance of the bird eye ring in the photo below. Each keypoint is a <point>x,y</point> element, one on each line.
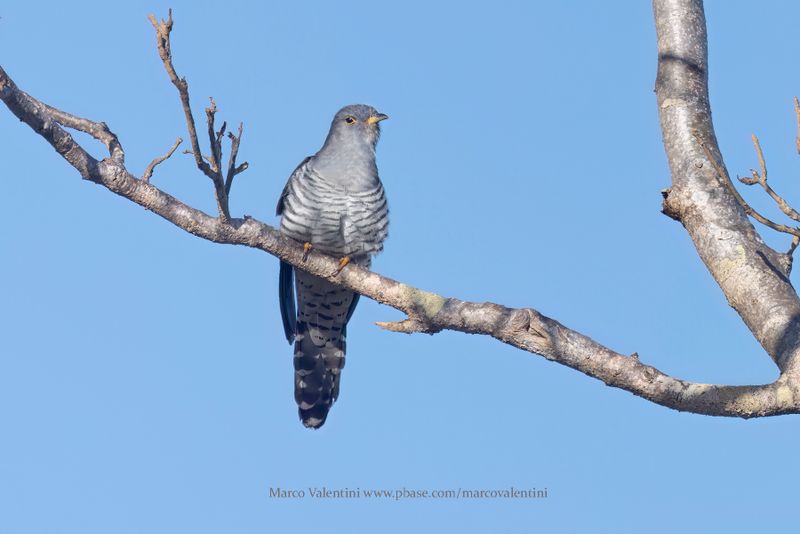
<point>349,119</point>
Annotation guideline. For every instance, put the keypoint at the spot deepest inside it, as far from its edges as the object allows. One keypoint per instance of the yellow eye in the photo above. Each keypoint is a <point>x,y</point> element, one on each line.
<point>349,119</point>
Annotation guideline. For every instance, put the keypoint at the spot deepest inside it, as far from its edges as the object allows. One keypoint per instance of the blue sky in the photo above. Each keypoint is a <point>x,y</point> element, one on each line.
<point>145,385</point>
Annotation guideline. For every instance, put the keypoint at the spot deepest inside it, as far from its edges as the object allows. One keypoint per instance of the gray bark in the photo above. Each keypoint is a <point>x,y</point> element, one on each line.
<point>753,277</point>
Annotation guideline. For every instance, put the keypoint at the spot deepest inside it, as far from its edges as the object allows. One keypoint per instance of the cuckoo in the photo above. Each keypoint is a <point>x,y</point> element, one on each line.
<point>333,203</point>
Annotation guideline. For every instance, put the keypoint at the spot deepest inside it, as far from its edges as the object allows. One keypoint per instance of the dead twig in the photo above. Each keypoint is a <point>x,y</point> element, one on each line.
<point>726,179</point>
<point>214,138</point>
<point>210,165</point>
<point>761,178</point>
<point>148,172</point>
<point>163,29</point>
<point>793,246</point>
<point>797,114</point>
<point>233,170</point>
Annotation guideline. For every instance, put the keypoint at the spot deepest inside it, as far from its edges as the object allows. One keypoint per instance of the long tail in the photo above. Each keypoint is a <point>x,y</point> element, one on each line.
<point>323,310</point>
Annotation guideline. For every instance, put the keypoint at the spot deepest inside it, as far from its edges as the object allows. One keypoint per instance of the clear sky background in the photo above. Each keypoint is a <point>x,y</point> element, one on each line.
<point>145,384</point>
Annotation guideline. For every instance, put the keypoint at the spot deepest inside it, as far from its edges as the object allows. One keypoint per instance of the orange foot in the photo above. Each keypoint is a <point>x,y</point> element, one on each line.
<point>342,263</point>
<point>307,250</point>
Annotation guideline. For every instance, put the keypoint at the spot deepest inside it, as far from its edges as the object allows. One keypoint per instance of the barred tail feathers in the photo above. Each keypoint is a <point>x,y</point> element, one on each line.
<point>323,310</point>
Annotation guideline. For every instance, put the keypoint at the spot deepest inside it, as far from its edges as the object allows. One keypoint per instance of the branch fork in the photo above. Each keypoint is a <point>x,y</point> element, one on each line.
<point>211,165</point>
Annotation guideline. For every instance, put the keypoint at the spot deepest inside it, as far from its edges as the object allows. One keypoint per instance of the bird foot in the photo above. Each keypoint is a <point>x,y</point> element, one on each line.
<point>307,250</point>
<point>342,263</point>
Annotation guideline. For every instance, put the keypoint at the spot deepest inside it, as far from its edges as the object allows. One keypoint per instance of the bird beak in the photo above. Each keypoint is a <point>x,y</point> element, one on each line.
<point>374,119</point>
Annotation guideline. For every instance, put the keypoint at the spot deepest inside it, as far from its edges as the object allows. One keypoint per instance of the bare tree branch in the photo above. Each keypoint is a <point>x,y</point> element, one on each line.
<point>753,277</point>
<point>761,178</point>
<point>722,173</point>
<point>148,172</point>
<point>797,115</point>
<point>210,165</point>
<point>682,61</point>
<point>98,130</point>
<point>233,170</point>
<point>793,246</point>
<point>163,29</point>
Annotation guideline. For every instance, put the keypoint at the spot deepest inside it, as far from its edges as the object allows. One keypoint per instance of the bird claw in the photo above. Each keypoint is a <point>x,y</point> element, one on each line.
<point>342,263</point>
<point>307,250</point>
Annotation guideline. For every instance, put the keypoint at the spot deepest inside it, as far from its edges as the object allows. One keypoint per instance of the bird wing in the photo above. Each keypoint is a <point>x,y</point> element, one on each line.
<point>286,276</point>
<point>299,171</point>
<point>286,298</point>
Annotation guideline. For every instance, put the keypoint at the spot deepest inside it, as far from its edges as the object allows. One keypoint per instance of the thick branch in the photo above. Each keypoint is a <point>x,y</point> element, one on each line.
<point>752,276</point>
<point>427,312</point>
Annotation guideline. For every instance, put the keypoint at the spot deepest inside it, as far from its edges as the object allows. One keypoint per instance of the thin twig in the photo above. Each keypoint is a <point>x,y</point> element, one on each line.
<point>210,166</point>
<point>761,178</point>
<point>214,139</point>
<point>189,152</point>
<point>793,245</point>
<point>726,179</point>
<point>163,29</point>
<point>148,172</point>
<point>233,170</point>
<point>797,114</point>
<point>218,145</point>
<point>752,180</point>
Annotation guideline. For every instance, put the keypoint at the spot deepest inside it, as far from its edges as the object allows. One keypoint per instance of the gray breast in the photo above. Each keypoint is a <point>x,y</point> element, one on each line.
<point>336,219</point>
<point>366,224</point>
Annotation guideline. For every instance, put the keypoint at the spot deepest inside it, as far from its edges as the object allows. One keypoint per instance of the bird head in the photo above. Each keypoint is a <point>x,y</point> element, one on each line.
<point>355,125</point>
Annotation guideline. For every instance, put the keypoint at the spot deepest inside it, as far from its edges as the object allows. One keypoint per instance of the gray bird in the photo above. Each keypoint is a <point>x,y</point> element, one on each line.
<point>334,203</point>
